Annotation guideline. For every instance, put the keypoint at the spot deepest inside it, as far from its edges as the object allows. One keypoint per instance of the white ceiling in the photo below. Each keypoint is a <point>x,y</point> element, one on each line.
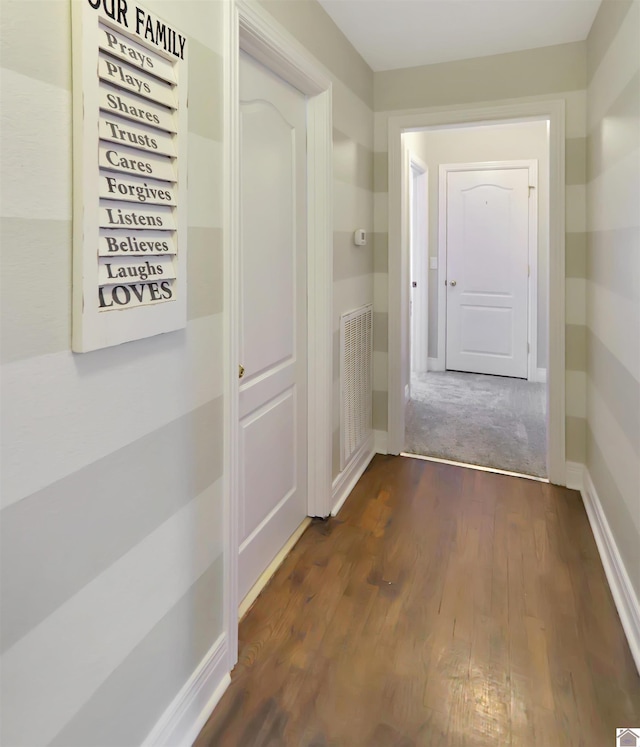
<point>392,34</point>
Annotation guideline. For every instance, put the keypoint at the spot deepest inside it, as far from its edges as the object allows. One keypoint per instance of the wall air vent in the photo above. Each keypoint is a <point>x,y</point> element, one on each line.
<point>356,375</point>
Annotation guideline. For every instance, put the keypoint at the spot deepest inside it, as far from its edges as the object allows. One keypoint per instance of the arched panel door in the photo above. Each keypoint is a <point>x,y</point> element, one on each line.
<point>273,318</point>
<point>488,271</point>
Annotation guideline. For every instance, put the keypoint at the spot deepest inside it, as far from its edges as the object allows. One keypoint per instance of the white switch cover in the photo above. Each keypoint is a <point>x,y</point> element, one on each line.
<point>433,263</point>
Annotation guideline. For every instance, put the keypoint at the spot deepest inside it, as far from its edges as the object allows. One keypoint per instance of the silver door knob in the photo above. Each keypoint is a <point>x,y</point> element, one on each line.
<point>452,283</point>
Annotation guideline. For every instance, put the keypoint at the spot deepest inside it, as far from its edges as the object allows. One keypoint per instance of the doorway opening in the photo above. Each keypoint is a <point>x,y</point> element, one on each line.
<point>477,218</point>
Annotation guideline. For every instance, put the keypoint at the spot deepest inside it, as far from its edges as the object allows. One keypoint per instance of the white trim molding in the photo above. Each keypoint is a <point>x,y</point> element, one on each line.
<point>345,482</point>
<point>624,595</point>
<point>231,211</point>
<point>541,376</point>
<point>250,28</point>
<point>435,364</point>
<point>502,111</point>
<point>189,711</point>
<point>380,442</point>
<point>574,476</point>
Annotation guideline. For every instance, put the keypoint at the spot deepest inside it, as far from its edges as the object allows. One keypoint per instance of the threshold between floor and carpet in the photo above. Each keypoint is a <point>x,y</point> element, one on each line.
<point>490,421</point>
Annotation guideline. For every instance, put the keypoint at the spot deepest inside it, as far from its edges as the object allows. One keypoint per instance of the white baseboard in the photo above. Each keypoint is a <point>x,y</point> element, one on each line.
<point>574,475</point>
<point>435,364</point>
<point>380,442</point>
<point>273,566</point>
<point>624,596</point>
<point>345,482</point>
<point>189,711</point>
<point>540,375</point>
<point>407,393</point>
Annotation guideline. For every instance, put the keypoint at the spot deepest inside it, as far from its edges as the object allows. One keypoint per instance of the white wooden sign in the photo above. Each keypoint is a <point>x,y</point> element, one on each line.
<point>130,174</point>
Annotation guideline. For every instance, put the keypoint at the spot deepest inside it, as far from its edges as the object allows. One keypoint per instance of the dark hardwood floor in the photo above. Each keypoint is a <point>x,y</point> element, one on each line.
<point>443,606</point>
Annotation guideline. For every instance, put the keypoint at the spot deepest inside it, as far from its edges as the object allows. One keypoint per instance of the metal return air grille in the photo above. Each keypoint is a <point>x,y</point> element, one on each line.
<point>356,375</point>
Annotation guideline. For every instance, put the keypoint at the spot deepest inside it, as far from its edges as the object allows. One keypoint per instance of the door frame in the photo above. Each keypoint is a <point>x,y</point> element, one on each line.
<point>553,111</point>
<point>532,281</point>
<point>252,30</point>
<point>418,174</point>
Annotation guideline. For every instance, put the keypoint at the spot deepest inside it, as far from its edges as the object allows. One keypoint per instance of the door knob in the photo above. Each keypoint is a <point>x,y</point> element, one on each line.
<point>240,371</point>
<point>452,283</point>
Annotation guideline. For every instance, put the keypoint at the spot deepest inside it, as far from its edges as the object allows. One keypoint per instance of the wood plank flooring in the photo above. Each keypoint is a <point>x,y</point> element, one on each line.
<point>442,607</point>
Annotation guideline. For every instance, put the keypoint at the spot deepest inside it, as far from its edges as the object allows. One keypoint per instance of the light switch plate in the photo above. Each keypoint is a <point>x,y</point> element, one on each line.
<point>433,263</point>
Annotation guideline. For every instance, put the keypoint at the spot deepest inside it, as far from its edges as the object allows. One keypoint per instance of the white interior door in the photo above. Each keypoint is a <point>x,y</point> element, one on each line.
<point>419,265</point>
<point>487,271</point>
<point>273,318</point>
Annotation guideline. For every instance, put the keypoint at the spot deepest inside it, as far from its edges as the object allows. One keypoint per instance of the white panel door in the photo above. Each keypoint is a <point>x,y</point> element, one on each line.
<point>419,253</point>
<point>487,271</point>
<point>273,317</point>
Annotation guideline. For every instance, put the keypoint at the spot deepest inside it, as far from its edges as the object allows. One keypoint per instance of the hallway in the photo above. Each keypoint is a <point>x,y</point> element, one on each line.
<point>443,606</point>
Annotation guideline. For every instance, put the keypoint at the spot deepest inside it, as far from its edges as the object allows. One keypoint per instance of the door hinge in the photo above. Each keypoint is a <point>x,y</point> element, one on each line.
<point>528,271</point>
<point>528,348</point>
<point>531,186</point>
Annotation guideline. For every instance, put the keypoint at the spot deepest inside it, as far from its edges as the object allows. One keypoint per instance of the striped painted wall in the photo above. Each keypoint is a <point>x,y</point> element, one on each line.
<point>112,461</point>
<point>613,272</point>
<point>352,163</point>
<point>549,72</point>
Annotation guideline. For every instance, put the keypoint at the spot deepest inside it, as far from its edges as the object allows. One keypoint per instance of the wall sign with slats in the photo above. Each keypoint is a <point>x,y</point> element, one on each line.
<point>130,174</point>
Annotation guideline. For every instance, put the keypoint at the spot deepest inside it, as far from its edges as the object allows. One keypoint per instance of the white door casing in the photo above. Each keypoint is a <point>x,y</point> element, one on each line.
<point>487,270</point>
<point>254,30</point>
<point>273,317</point>
<point>554,112</point>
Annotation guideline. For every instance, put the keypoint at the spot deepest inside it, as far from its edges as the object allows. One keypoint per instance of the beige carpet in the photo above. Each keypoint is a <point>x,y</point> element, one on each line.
<point>492,421</point>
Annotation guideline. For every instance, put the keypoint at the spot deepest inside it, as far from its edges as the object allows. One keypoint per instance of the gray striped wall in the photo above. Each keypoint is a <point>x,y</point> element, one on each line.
<point>112,461</point>
<point>612,338</point>
<point>558,72</point>
<point>111,524</point>
<point>112,479</point>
